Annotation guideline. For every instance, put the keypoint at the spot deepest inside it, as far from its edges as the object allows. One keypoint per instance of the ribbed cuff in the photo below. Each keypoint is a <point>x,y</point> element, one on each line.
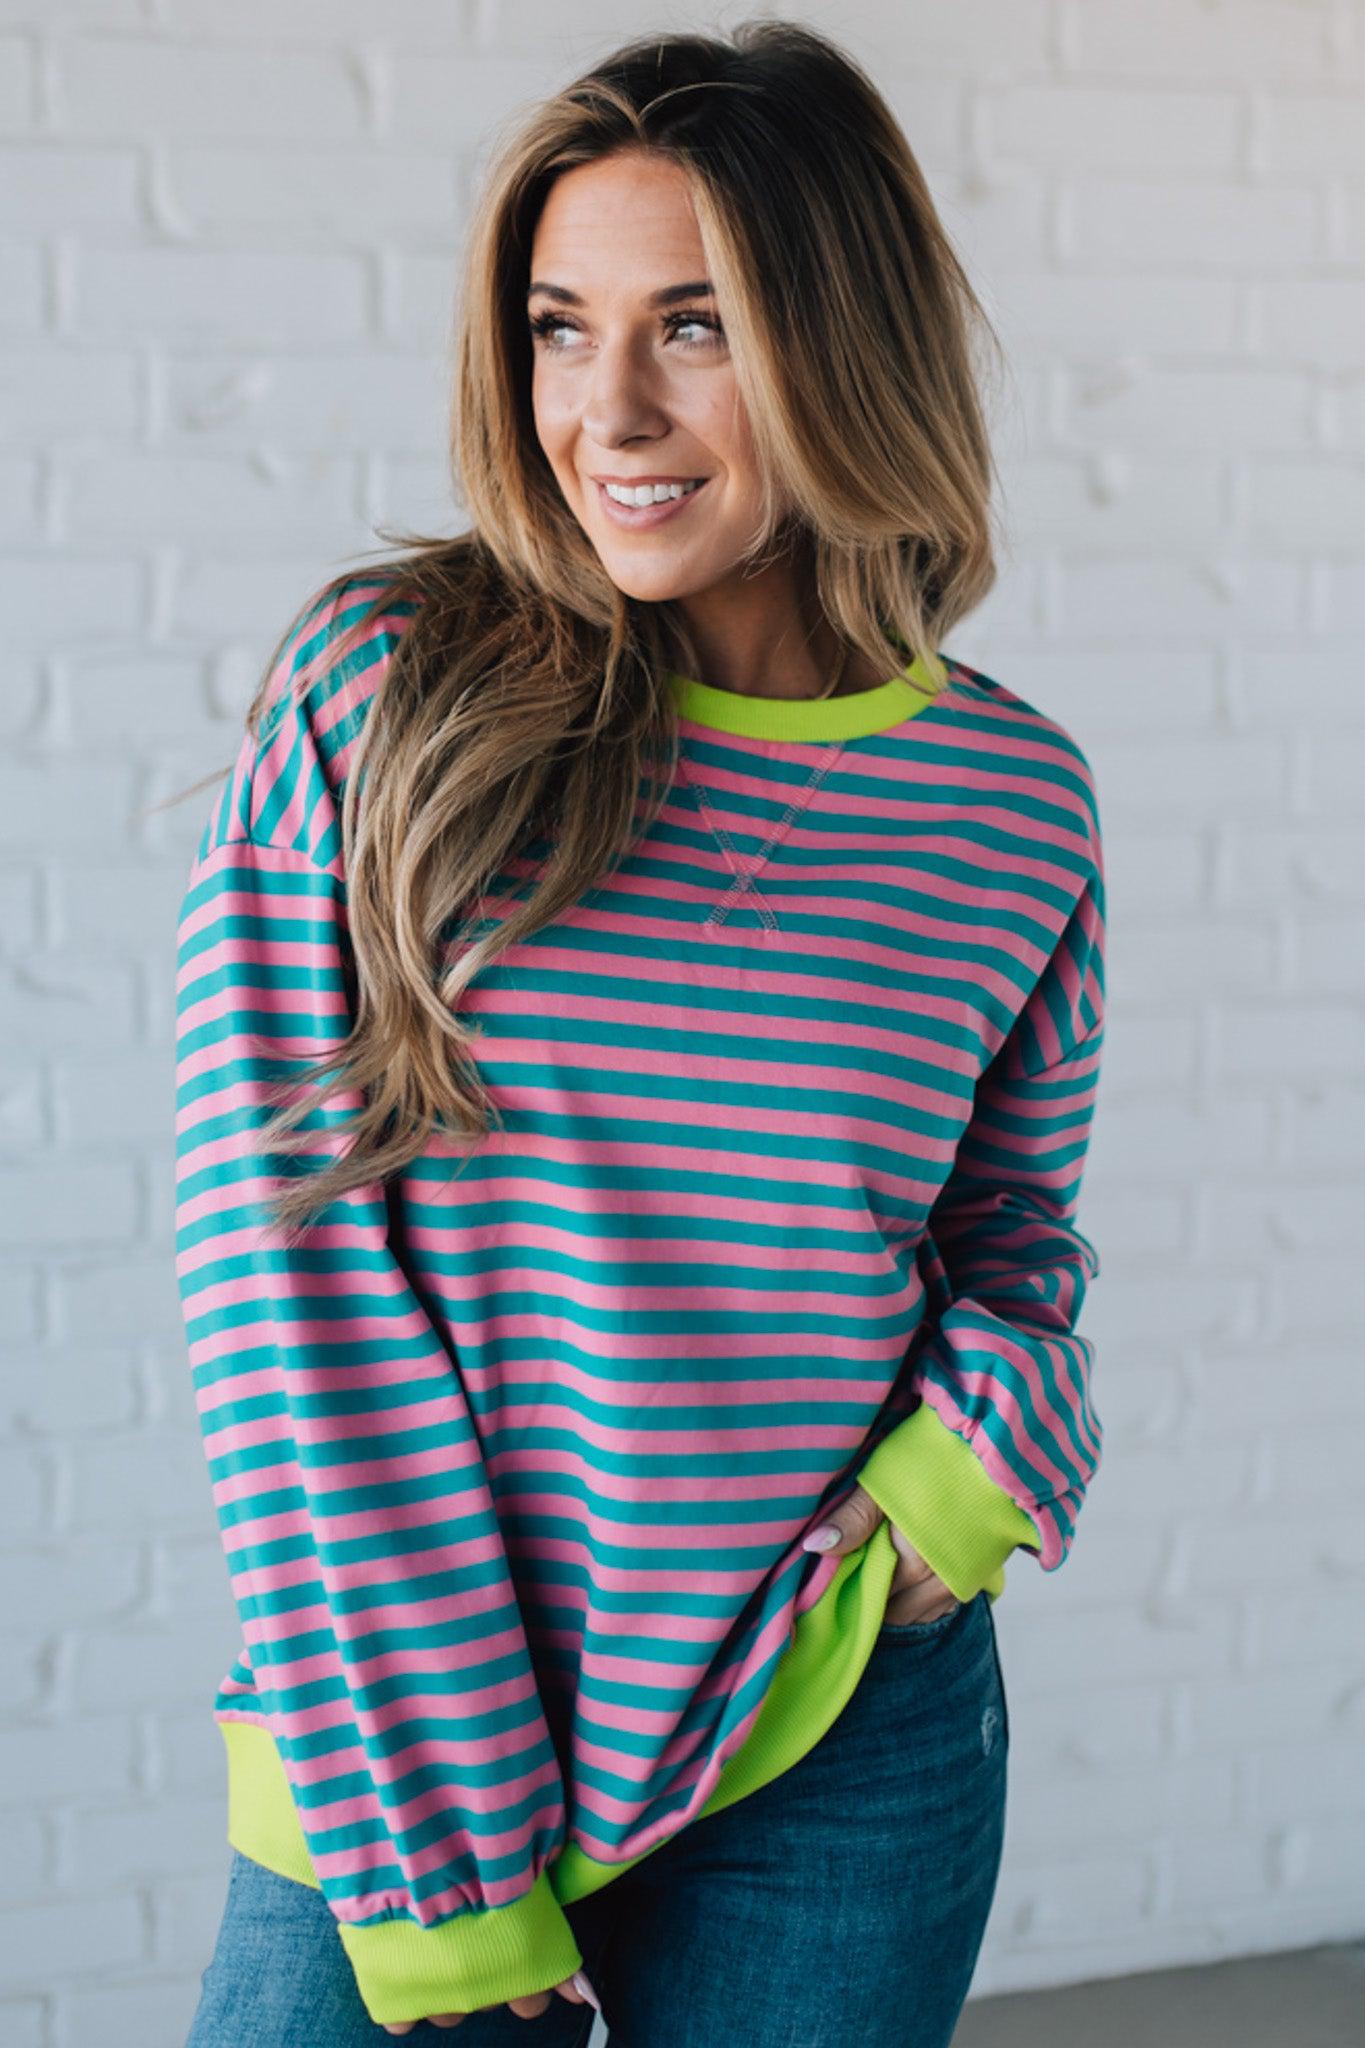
<point>930,1482</point>
<point>405,1971</point>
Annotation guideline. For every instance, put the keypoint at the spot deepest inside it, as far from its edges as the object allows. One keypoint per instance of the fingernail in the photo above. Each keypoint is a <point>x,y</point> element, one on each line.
<point>581,1983</point>
<point>823,1538</point>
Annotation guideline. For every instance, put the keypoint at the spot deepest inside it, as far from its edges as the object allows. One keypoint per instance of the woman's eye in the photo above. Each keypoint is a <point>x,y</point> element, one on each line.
<point>697,320</point>
<point>546,325</point>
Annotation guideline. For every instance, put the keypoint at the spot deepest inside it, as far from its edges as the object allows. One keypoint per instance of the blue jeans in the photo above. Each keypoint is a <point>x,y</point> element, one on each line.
<point>842,1903</point>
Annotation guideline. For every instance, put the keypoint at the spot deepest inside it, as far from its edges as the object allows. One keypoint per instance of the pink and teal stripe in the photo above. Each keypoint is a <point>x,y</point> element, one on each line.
<point>512,1463</point>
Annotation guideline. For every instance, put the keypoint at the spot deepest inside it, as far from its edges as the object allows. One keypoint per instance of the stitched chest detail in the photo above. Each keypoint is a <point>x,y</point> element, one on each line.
<point>746,867</point>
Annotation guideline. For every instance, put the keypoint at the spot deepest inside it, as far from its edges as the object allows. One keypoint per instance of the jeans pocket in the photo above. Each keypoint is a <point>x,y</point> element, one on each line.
<point>920,1629</point>
<point>999,1674</point>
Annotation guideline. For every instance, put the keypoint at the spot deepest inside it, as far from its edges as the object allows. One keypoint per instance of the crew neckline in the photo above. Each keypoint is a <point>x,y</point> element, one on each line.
<point>904,695</point>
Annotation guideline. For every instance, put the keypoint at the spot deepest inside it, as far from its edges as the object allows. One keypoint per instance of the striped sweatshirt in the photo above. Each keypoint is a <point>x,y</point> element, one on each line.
<point>512,1457</point>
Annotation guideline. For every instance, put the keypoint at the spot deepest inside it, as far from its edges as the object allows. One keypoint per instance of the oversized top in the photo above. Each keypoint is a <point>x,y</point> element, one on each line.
<point>512,1459</point>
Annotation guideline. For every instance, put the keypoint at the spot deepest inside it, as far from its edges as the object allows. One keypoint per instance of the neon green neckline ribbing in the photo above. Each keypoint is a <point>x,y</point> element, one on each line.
<point>903,695</point>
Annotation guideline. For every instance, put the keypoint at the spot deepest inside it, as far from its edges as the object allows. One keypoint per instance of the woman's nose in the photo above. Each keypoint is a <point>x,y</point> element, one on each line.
<point>621,400</point>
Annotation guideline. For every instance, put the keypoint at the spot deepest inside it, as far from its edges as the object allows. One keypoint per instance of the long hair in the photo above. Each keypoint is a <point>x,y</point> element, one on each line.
<point>526,700</point>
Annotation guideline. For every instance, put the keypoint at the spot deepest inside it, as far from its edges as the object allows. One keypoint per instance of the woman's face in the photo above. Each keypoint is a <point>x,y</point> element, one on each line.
<point>627,388</point>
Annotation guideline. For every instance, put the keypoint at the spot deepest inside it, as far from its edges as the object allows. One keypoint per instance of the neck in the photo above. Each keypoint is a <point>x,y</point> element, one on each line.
<point>755,638</point>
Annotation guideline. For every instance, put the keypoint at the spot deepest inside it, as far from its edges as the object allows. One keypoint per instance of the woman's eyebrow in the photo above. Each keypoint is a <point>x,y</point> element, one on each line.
<point>667,297</point>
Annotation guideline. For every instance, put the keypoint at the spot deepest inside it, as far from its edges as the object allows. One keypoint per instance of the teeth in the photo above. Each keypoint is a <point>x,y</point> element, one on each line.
<point>648,494</point>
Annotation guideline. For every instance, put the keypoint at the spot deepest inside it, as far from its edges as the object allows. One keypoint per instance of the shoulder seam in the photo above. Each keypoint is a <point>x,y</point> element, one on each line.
<point>295,853</point>
<point>1094,1036</point>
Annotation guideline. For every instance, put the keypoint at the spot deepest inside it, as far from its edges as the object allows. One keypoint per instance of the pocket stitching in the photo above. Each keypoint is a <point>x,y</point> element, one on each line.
<point>919,1628</point>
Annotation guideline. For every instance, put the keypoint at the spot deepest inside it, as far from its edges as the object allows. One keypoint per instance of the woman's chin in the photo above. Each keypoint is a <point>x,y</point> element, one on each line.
<point>652,583</point>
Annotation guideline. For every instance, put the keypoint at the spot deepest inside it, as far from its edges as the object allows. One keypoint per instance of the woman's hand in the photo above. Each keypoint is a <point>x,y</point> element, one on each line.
<point>576,1989</point>
<point>916,1593</point>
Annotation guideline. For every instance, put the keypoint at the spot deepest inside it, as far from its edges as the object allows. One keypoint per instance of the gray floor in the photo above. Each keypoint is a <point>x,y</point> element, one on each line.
<point>1309,1998</point>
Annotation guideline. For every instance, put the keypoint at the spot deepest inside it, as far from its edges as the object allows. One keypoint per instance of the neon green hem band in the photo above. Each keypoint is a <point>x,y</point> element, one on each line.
<point>478,1958</point>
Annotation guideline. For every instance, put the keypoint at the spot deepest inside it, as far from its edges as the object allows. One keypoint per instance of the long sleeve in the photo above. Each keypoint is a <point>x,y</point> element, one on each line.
<point>1006,1440</point>
<point>381,1623</point>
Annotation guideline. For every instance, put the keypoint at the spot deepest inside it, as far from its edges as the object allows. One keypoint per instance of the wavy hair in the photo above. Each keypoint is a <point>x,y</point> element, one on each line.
<point>525,700</point>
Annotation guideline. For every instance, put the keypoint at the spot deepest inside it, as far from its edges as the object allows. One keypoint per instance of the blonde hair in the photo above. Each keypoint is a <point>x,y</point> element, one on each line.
<point>526,698</point>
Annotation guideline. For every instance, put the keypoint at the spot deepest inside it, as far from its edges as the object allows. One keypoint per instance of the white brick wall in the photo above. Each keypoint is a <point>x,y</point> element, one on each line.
<point>227,253</point>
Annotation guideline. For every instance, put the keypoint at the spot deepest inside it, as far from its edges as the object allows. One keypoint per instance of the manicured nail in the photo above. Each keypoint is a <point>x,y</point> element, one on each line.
<point>581,1984</point>
<point>823,1538</point>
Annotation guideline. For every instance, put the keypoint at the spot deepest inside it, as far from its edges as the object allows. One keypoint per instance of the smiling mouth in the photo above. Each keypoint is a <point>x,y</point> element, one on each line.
<point>652,514</point>
<point>680,485</point>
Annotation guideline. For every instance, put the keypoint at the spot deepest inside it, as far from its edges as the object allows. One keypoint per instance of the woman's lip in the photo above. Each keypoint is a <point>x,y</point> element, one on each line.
<point>639,517</point>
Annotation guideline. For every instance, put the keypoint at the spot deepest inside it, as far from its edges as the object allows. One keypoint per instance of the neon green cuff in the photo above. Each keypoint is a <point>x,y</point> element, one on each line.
<point>930,1482</point>
<point>404,1971</point>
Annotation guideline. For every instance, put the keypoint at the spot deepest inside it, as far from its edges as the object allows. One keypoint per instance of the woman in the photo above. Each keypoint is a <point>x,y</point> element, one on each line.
<point>638,1035</point>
